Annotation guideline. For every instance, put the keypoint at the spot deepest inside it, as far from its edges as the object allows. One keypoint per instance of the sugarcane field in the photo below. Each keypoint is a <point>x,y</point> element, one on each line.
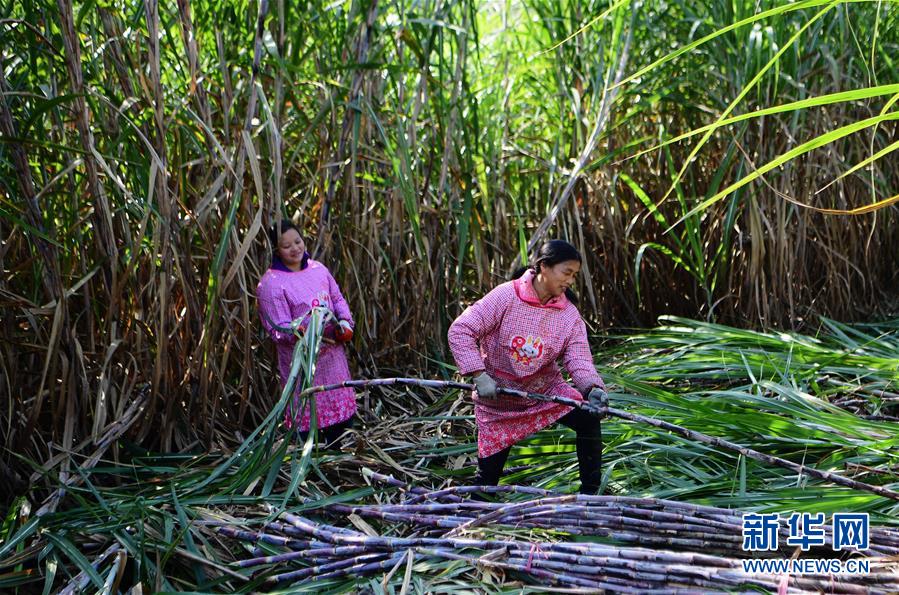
<point>464,297</point>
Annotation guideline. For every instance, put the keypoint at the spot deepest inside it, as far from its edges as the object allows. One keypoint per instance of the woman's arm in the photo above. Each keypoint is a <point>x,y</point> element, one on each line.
<point>578,360</point>
<point>478,320</point>
<point>273,308</point>
<point>338,305</point>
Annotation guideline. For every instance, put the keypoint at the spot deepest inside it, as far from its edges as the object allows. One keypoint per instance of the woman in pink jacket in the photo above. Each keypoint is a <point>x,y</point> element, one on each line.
<point>515,337</point>
<point>289,290</point>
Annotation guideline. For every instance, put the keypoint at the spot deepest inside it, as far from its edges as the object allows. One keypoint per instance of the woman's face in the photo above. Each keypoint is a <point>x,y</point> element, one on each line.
<point>559,277</point>
<point>291,248</point>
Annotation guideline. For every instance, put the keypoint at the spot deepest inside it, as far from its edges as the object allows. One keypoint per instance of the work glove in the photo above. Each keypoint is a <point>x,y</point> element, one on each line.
<point>486,386</point>
<point>598,397</point>
<point>344,332</point>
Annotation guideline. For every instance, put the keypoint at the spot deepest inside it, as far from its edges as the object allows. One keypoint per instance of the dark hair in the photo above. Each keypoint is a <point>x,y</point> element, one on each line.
<point>551,253</point>
<point>275,232</point>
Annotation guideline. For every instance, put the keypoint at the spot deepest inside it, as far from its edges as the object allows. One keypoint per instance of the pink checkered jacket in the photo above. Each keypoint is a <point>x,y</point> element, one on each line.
<point>520,343</point>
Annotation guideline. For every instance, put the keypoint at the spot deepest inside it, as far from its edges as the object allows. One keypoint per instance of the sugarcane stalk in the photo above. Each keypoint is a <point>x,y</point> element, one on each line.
<point>445,522</point>
<point>505,510</point>
<point>257,536</point>
<point>320,570</point>
<point>394,482</point>
<point>317,553</point>
<point>357,568</point>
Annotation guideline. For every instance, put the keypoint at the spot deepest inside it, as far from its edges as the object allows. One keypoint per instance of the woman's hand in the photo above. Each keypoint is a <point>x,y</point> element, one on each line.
<point>486,386</point>
<point>598,397</point>
<point>344,332</point>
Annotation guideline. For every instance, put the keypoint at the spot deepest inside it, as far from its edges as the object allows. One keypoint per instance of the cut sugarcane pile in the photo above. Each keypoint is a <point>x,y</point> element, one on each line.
<point>624,545</point>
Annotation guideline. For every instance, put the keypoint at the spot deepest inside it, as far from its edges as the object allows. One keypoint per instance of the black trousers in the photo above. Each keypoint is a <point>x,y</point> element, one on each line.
<point>330,434</point>
<point>589,453</point>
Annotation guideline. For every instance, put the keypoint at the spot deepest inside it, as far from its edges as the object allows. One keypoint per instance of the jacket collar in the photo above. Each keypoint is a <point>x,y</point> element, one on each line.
<point>279,265</point>
<point>524,289</point>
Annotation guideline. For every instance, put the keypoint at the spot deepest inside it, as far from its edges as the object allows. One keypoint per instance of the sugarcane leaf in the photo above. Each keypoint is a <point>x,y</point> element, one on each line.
<point>65,547</point>
<point>819,141</point>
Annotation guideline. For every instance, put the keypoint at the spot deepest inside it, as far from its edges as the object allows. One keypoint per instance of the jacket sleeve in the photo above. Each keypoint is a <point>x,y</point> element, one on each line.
<point>578,360</point>
<point>469,329</point>
<point>338,305</point>
<point>273,307</point>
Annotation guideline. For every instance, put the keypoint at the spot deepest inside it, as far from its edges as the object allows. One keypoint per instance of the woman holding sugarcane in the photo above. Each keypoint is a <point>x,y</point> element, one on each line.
<point>515,337</point>
<point>289,290</point>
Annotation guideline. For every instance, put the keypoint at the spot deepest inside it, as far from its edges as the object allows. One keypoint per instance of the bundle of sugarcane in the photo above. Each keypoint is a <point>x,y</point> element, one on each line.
<point>633,544</point>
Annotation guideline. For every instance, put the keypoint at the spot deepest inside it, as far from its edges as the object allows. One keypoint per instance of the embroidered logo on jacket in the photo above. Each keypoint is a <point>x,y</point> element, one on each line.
<point>322,299</point>
<point>526,351</point>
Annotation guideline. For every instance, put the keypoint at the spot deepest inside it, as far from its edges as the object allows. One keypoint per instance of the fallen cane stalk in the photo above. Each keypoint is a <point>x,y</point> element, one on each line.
<point>603,411</point>
<point>317,571</point>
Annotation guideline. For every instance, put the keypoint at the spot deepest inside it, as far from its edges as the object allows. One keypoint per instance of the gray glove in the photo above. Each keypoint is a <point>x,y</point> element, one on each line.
<point>485,385</point>
<point>598,397</point>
